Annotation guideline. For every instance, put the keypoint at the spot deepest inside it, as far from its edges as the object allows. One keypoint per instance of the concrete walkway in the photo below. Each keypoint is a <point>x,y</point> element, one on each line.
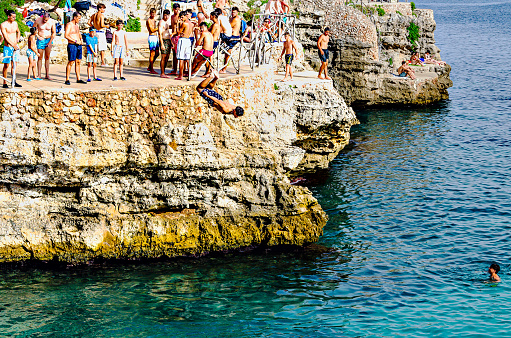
<point>136,78</point>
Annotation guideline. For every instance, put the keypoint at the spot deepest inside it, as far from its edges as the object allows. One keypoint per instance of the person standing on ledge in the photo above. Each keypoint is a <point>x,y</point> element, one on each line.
<point>11,35</point>
<point>165,44</point>
<point>154,46</point>
<point>215,100</point>
<point>288,48</point>
<point>98,22</point>
<point>493,271</point>
<point>119,49</point>
<point>46,32</point>
<point>324,54</point>
<point>74,47</point>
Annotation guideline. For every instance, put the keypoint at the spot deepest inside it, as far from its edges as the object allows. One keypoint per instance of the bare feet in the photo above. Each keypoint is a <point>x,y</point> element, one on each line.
<point>284,80</point>
<point>321,77</point>
<point>153,71</point>
<point>223,71</point>
<point>328,78</point>
<point>165,76</point>
<point>205,75</point>
<point>173,73</point>
<point>178,78</point>
<point>47,77</point>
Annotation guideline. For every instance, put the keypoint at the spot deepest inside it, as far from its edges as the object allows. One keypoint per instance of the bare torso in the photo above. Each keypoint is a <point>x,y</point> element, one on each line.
<point>9,31</point>
<point>152,28</point>
<point>186,30</point>
<point>323,41</point>
<point>236,26</point>
<point>73,33</point>
<point>98,21</point>
<point>215,31</point>
<point>288,46</point>
<point>207,40</point>
<point>44,29</point>
<point>173,26</point>
<point>164,27</point>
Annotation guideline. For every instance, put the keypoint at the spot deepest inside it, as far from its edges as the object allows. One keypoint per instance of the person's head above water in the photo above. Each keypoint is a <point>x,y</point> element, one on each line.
<point>495,267</point>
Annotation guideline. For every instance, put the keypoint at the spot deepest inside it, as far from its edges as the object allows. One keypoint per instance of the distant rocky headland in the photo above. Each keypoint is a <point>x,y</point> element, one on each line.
<point>156,172</point>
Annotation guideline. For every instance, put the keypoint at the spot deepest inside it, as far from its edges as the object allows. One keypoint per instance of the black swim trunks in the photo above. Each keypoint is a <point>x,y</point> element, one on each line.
<point>324,57</point>
<point>289,59</point>
<point>212,93</point>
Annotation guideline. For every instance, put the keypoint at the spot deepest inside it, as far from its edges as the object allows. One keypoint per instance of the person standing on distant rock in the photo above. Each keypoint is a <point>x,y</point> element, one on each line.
<point>74,47</point>
<point>154,45</point>
<point>288,48</point>
<point>324,54</point>
<point>11,35</point>
<point>98,22</point>
<point>46,32</point>
<point>165,44</point>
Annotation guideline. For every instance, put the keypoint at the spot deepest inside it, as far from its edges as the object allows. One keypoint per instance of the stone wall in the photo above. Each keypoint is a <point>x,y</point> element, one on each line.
<point>156,172</point>
<point>366,52</point>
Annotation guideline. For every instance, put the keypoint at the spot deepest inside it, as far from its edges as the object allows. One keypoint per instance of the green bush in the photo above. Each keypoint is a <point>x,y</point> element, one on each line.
<point>133,25</point>
<point>413,5</point>
<point>398,12</point>
<point>413,33</point>
<point>12,4</point>
<point>380,10</point>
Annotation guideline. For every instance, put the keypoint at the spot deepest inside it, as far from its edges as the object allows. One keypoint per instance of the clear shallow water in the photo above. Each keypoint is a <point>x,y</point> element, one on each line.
<point>419,206</point>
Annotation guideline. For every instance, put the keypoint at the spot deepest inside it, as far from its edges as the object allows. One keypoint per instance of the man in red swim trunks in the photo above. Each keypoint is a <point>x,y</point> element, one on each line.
<point>206,42</point>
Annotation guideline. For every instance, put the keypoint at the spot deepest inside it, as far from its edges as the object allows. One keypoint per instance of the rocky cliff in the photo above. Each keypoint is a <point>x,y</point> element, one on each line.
<point>368,48</point>
<point>156,172</point>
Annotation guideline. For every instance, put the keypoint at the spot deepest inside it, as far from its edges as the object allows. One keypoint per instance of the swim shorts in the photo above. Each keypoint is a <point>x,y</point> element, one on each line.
<point>167,46</point>
<point>206,53</point>
<point>212,93</point>
<point>119,52</point>
<point>153,42</point>
<point>215,44</point>
<point>31,54</point>
<point>233,40</point>
<point>74,52</point>
<point>184,49</point>
<point>289,59</point>
<point>403,74</point>
<point>92,58</point>
<point>102,44</point>
<point>8,55</point>
<point>43,43</point>
<point>324,57</point>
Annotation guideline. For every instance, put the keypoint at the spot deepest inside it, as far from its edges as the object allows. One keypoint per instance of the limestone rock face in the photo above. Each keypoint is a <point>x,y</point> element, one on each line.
<point>367,50</point>
<point>156,172</point>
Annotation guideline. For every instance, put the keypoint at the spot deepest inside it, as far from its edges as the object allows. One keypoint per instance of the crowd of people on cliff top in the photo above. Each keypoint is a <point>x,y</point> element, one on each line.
<point>177,34</point>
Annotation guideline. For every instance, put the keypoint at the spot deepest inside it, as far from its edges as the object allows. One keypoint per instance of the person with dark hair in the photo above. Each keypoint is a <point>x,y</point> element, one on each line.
<point>493,271</point>
<point>97,21</point>
<point>184,45</point>
<point>165,44</point>
<point>174,36</point>
<point>405,70</point>
<point>206,42</point>
<point>11,34</point>
<point>32,54</point>
<point>201,12</point>
<point>234,39</point>
<point>324,53</point>
<point>119,49</point>
<point>46,32</point>
<point>74,47</point>
<point>215,30</point>
<point>154,46</point>
<point>288,47</point>
<point>215,100</point>
<point>91,43</point>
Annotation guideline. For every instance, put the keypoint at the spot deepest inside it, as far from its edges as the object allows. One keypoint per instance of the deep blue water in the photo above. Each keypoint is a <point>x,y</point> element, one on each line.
<point>419,206</point>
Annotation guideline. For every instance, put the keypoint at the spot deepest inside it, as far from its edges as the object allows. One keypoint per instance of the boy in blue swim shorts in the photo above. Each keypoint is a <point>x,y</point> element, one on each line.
<point>11,35</point>
<point>153,40</point>
<point>119,49</point>
<point>324,54</point>
<point>91,41</point>
<point>32,54</point>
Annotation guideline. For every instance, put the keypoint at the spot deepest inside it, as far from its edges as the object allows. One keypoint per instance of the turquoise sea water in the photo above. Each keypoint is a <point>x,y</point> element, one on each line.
<point>419,206</point>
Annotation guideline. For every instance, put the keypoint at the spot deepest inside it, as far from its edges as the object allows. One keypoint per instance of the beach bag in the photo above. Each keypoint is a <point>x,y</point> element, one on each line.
<point>82,6</point>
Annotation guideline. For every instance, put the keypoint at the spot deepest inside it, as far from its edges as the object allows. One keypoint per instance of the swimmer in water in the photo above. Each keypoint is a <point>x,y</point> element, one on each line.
<point>493,270</point>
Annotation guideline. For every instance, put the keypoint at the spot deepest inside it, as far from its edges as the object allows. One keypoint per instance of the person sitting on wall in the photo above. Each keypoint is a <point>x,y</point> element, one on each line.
<point>405,70</point>
<point>215,100</point>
